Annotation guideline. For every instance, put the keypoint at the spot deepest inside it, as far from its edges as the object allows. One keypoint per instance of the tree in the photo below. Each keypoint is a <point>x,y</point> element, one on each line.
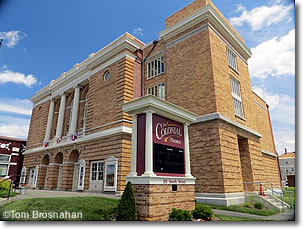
<point>126,209</point>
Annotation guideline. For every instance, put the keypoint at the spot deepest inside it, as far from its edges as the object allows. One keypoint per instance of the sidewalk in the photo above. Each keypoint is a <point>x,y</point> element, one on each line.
<point>32,193</point>
<point>284,216</point>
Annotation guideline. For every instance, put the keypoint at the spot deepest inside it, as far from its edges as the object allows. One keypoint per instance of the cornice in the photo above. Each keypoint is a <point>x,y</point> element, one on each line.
<point>125,43</point>
<point>216,115</point>
<point>160,106</point>
<point>209,13</point>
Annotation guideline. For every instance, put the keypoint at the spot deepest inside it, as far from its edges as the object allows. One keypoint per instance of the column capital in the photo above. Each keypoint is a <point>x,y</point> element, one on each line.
<point>77,86</point>
<point>149,112</point>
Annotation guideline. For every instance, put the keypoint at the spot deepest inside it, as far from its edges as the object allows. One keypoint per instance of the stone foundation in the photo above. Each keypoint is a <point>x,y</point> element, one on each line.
<point>154,202</point>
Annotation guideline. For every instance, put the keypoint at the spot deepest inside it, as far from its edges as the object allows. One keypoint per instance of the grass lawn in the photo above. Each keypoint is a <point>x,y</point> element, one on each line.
<point>232,218</point>
<point>286,197</point>
<point>236,208</point>
<point>92,208</point>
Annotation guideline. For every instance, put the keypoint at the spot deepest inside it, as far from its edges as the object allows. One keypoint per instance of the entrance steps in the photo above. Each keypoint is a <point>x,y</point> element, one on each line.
<point>275,202</point>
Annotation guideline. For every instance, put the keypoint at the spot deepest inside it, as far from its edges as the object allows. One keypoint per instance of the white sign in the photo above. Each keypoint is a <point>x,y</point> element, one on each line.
<point>15,149</point>
<point>174,181</point>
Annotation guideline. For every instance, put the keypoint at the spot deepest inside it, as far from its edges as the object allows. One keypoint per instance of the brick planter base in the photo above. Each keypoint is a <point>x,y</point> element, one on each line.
<point>154,202</point>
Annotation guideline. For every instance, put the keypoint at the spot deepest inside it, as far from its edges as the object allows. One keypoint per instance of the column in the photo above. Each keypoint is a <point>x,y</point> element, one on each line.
<point>49,120</point>
<point>73,122</point>
<point>61,116</point>
<point>186,152</point>
<point>149,145</point>
<point>133,171</point>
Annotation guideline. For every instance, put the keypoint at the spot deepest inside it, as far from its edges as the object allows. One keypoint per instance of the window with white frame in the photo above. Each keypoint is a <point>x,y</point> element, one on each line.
<point>155,67</point>
<point>157,90</point>
<point>232,59</point>
<point>4,164</point>
<point>97,171</point>
<point>237,100</point>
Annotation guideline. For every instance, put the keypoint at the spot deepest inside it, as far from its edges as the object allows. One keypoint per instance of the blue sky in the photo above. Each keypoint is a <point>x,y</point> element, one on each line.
<point>43,39</point>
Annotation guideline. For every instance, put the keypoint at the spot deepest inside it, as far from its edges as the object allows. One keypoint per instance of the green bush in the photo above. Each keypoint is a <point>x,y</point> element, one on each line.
<point>179,215</point>
<point>106,214</point>
<point>126,209</point>
<point>247,205</point>
<point>203,212</point>
<point>4,185</point>
<point>258,205</point>
<point>4,194</point>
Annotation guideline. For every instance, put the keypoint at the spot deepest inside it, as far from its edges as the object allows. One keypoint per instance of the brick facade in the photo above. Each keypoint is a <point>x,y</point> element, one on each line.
<point>225,152</point>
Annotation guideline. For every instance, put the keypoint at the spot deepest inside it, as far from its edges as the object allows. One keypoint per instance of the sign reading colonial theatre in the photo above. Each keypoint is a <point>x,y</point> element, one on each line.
<point>160,157</point>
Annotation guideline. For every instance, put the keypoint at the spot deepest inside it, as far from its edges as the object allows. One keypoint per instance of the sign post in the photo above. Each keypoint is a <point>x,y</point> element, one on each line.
<point>160,157</point>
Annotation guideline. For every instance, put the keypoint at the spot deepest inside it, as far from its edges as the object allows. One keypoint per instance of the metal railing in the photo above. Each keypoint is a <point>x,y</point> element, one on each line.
<point>261,186</point>
<point>12,183</point>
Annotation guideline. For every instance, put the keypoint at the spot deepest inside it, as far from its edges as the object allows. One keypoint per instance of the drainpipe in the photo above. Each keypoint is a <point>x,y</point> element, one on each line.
<point>155,42</point>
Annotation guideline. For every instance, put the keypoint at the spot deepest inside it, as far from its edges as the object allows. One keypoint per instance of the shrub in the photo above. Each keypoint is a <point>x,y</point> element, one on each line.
<point>126,209</point>
<point>179,215</point>
<point>203,212</point>
<point>106,214</point>
<point>247,205</point>
<point>258,205</point>
<point>4,185</point>
<point>4,194</point>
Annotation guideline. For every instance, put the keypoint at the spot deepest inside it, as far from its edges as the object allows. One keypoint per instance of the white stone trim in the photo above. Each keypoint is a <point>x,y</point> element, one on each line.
<point>159,179</point>
<point>224,199</point>
<point>14,154</point>
<point>269,153</point>
<point>159,106</point>
<point>100,134</point>
<point>207,12</point>
<point>256,102</point>
<point>216,115</point>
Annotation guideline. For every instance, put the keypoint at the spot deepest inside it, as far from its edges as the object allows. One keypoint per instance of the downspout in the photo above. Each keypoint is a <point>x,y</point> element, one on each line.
<point>274,145</point>
<point>155,42</point>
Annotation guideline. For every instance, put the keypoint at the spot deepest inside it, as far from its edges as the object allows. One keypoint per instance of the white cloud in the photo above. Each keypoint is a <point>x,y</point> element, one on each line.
<point>11,38</point>
<point>17,77</point>
<point>138,32</point>
<point>262,16</point>
<point>282,112</point>
<point>16,106</point>
<point>274,57</point>
<point>14,127</point>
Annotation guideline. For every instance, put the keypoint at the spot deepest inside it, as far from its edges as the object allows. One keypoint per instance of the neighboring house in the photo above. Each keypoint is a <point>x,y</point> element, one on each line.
<point>287,163</point>
<point>79,138</point>
<point>11,158</point>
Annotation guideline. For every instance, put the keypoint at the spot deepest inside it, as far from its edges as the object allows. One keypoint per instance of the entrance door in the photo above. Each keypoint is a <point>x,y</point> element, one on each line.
<point>31,177</point>
<point>96,176</point>
<point>59,178</point>
<point>75,177</point>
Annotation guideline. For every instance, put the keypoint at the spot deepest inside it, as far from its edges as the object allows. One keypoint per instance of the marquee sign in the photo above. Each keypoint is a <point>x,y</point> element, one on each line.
<point>168,132</point>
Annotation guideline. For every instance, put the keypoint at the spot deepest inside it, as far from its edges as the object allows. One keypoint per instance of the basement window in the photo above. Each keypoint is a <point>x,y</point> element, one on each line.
<point>237,100</point>
<point>232,59</point>
<point>157,90</point>
<point>155,67</point>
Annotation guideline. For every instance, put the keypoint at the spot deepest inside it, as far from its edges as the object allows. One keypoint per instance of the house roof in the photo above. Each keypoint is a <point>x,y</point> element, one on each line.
<point>12,139</point>
<point>288,155</point>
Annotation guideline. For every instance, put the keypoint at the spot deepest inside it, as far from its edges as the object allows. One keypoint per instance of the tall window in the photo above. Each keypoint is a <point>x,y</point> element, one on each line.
<point>232,59</point>
<point>85,113</point>
<point>157,90</point>
<point>236,94</point>
<point>155,67</point>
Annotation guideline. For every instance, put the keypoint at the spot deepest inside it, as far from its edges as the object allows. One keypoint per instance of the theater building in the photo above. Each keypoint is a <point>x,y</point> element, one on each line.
<point>80,138</point>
